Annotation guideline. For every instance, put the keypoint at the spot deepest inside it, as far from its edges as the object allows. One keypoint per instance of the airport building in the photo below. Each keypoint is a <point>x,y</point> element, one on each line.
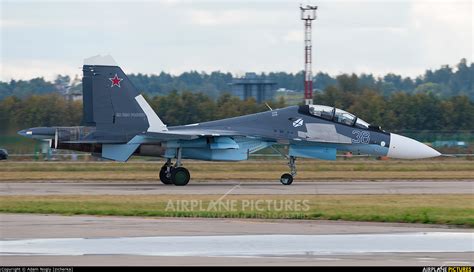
<point>260,88</point>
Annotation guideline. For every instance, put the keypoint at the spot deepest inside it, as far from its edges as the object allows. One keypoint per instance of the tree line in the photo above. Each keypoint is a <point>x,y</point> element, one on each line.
<point>38,110</point>
<point>444,82</point>
<point>174,109</point>
<point>398,111</point>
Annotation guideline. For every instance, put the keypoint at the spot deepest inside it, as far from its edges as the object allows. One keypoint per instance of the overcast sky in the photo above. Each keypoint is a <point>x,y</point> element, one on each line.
<point>45,38</point>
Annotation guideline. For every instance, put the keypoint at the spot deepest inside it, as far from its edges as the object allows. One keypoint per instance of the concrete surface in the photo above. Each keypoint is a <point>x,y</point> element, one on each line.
<point>240,187</point>
<point>381,259</point>
<point>25,226</point>
<point>29,226</point>
<point>255,245</point>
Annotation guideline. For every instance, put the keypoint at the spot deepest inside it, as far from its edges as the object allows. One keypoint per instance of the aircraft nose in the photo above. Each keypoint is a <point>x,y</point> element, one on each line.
<point>25,132</point>
<point>402,147</point>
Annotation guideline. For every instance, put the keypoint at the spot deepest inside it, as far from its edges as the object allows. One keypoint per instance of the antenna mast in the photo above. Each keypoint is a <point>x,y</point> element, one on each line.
<point>308,14</point>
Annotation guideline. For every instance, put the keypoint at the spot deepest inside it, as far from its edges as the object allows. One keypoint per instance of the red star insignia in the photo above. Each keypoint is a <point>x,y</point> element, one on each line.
<point>115,81</point>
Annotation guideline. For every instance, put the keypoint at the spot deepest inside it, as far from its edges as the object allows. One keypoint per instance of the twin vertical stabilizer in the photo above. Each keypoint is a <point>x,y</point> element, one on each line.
<point>110,101</point>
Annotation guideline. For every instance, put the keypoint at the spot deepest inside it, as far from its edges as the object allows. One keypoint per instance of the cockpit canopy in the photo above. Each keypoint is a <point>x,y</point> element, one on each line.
<point>337,115</point>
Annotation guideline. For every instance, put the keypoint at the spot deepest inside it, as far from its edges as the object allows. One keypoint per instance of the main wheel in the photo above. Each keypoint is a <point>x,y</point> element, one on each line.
<point>164,177</point>
<point>286,179</point>
<point>180,176</point>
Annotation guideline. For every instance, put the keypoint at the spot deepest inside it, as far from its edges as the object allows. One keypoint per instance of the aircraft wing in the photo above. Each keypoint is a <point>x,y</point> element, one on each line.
<point>189,134</point>
<point>121,150</point>
<point>94,142</point>
<point>162,136</point>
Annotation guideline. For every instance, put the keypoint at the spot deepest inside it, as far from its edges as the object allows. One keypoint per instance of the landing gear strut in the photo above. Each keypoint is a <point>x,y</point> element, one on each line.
<point>176,174</point>
<point>287,178</point>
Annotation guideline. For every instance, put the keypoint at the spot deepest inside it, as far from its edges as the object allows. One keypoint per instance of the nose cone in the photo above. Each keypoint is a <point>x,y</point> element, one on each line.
<point>25,133</point>
<point>402,147</point>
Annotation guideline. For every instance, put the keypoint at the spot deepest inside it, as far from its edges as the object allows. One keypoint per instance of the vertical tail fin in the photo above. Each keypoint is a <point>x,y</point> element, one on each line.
<point>111,102</point>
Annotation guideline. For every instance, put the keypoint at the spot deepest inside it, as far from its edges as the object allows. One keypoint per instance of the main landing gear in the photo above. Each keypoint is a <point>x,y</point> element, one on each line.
<point>174,174</point>
<point>287,178</point>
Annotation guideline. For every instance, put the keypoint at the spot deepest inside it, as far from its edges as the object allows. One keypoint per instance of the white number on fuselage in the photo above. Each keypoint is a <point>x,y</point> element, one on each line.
<point>360,137</point>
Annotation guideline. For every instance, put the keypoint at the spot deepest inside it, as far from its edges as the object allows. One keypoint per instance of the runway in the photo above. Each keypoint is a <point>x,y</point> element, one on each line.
<point>75,240</point>
<point>245,245</point>
<point>240,187</point>
<point>54,240</point>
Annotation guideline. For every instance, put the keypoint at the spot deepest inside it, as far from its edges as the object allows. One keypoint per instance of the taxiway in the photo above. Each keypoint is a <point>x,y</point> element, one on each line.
<point>240,187</point>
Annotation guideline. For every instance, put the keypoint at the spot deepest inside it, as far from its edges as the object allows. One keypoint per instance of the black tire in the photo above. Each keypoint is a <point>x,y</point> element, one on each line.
<point>286,179</point>
<point>163,178</point>
<point>180,176</point>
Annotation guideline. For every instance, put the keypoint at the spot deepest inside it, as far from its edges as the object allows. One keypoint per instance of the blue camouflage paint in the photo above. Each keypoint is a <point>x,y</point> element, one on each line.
<point>218,148</point>
<point>223,143</point>
<point>314,152</point>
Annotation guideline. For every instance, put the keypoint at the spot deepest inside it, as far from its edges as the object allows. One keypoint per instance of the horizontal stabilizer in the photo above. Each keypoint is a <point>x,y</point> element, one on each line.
<point>118,152</point>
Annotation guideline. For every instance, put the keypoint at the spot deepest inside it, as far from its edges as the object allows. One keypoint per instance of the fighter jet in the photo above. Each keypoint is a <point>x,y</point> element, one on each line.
<point>119,123</point>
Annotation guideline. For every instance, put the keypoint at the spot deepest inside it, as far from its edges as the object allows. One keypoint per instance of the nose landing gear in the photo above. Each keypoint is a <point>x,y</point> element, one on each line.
<point>287,178</point>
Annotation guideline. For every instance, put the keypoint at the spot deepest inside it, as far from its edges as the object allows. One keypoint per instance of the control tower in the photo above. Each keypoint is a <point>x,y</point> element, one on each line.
<point>251,85</point>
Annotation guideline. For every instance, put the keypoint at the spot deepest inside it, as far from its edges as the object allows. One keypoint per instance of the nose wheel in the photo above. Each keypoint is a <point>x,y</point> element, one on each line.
<point>287,178</point>
<point>176,174</point>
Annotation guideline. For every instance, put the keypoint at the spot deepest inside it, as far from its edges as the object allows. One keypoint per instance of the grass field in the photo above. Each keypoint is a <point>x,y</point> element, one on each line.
<point>439,209</point>
<point>253,170</point>
<point>433,209</point>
